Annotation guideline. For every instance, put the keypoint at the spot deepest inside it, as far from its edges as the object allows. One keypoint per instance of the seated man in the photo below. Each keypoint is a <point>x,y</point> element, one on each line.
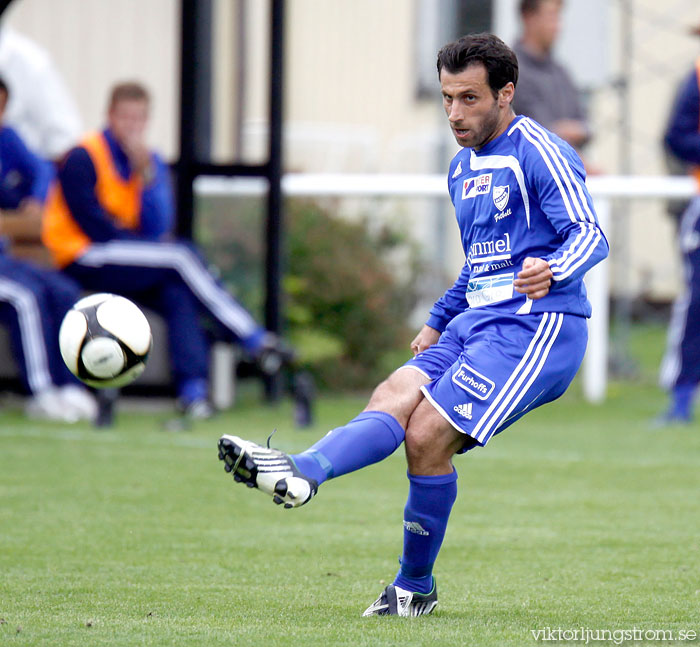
<point>108,225</point>
<point>33,299</point>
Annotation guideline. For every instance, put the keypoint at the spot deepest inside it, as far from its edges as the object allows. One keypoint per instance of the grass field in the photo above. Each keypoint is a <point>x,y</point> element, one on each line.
<point>578,517</point>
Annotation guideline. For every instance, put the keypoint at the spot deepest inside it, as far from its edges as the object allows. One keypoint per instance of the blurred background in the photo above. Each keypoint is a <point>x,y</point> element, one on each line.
<point>360,96</point>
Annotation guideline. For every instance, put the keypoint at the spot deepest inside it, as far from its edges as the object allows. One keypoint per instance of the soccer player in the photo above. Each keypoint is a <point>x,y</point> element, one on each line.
<point>108,224</point>
<point>34,299</point>
<point>680,368</point>
<point>40,109</point>
<point>507,337</point>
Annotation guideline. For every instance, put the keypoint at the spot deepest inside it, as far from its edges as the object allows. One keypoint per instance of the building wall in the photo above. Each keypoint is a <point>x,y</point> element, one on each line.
<point>352,103</point>
<point>651,50</point>
<point>95,43</point>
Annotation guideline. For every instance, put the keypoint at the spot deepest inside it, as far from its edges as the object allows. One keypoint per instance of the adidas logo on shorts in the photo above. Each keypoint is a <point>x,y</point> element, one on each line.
<point>464,410</point>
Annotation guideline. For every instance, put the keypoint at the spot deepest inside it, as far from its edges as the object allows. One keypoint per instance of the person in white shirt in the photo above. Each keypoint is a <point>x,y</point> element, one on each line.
<point>40,108</point>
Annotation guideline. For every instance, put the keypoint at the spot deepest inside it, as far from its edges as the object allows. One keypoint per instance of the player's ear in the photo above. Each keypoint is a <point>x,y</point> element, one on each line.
<point>505,95</point>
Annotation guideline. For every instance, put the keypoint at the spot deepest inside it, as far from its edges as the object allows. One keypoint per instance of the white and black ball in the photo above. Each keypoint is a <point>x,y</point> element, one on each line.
<point>105,340</point>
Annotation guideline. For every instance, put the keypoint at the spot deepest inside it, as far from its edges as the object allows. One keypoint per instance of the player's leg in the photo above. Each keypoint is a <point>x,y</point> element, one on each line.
<point>680,369</point>
<point>370,437</point>
<point>509,365</point>
<point>59,294</point>
<point>182,260</point>
<point>25,310</point>
<point>379,429</point>
<point>367,439</point>
<point>162,290</point>
<point>431,442</point>
<point>188,346</point>
<point>22,314</point>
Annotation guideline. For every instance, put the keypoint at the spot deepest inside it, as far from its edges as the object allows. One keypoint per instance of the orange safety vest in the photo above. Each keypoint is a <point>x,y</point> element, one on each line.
<point>119,198</point>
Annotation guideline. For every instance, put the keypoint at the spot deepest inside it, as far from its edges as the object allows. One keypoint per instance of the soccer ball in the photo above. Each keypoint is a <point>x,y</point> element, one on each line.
<point>105,340</point>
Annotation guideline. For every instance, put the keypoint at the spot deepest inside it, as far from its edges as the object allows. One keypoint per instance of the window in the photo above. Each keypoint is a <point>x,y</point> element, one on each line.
<point>438,22</point>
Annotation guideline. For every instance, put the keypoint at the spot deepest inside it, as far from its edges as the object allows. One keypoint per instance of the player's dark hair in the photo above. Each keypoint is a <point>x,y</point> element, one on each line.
<point>531,6</point>
<point>3,88</point>
<point>128,91</point>
<point>499,60</point>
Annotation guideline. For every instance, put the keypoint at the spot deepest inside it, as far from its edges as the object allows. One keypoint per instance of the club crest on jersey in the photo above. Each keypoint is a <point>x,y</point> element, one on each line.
<point>500,196</point>
<point>472,382</point>
<point>479,185</point>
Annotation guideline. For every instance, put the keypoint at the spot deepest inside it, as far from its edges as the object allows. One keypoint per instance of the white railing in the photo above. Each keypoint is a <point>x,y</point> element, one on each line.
<point>428,186</point>
<point>604,189</point>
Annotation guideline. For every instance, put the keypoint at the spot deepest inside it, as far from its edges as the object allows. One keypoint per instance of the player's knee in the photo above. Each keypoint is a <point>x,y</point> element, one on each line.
<point>383,391</point>
<point>415,443</point>
<point>190,250</point>
<point>384,399</point>
<point>181,250</point>
<point>398,395</point>
<point>421,444</point>
<point>430,441</point>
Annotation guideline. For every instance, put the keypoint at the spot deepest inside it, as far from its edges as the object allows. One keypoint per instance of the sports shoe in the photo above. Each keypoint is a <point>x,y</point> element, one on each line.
<point>48,405</point>
<point>80,400</point>
<point>669,419</point>
<point>199,409</point>
<point>395,601</point>
<point>270,470</point>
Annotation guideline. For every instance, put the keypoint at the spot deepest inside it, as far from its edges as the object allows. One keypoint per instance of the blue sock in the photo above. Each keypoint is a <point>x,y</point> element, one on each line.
<point>427,510</point>
<point>192,389</point>
<point>682,401</point>
<point>253,342</point>
<point>367,439</point>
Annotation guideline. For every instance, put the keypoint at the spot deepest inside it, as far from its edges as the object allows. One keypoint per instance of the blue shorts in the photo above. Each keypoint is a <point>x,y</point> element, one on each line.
<point>489,369</point>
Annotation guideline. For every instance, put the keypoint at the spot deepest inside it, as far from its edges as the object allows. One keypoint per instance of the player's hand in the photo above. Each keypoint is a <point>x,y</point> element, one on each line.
<point>573,131</point>
<point>534,279</point>
<point>424,339</point>
<point>30,208</point>
<point>139,157</point>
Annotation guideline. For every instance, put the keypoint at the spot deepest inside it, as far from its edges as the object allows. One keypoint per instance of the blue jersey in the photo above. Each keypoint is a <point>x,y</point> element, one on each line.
<point>682,135</point>
<point>521,195</point>
<point>22,174</point>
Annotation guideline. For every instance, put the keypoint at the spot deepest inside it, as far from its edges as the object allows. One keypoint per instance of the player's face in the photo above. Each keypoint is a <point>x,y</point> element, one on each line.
<point>475,116</point>
<point>128,119</point>
<point>545,22</point>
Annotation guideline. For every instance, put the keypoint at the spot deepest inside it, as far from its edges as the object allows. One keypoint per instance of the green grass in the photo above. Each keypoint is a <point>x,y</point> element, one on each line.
<point>579,516</point>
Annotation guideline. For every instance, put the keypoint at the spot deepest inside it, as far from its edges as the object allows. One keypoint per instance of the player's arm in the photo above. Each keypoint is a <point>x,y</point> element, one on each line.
<point>450,304</point>
<point>584,246</point>
<point>23,218</point>
<point>574,131</point>
<point>157,205</point>
<point>454,301</point>
<point>39,172</point>
<point>575,128</point>
<point>78,181</point>
<point>535,279</point>
<point>682,135</point>
<point>564,199</point>
<point>425,339</point>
